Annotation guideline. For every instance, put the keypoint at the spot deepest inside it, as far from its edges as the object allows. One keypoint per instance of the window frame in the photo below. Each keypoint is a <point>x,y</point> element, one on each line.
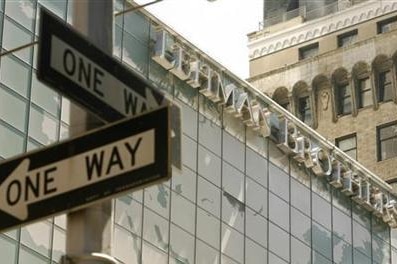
<point>308,107</point>
<point>308,48</point>
<point>340,111</point>
<point>347,35</point>
<point>381,85</point>
<point>389,21</point>
<point>345,137</point>
<point>379,141</point>
<point>360,92</point>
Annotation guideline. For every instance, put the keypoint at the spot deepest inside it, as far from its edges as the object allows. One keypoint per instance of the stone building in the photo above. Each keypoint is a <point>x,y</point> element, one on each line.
<point>334,67</point>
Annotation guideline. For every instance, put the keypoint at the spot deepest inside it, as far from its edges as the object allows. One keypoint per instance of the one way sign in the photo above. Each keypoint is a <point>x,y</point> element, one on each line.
<point>105,163</point>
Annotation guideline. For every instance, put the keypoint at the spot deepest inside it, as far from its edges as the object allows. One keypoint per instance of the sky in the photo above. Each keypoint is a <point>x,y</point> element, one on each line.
<point>218,28</point>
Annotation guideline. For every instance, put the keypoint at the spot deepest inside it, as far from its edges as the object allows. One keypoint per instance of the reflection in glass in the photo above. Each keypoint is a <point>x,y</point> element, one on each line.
<point>12,109</point>
<point>278,182</point>
<point>206,254</point>
<point>127,246</point>
<point>7,249</point>
<point>300,197</point>
<point>157,198</point>
<point>233,151</point>
<point>181,246</point>
<point>184,182</point>
<point>254,253</point>
<point>22,11</point>
<point>233,212</point>
<point>233,181</point>
<point>278,211</point>
<point>256,227</point>
<point>232,243</point>
<point>128,214</point>
<point>208,197</point>
<point>14,74</point>
<point>322,240</point>
<point>209,166</point>
<point>342,251</point>
<point>300,226</point>
<point>208,228</point>
<point>151,255</point>
<point>27,256</point>
<point>278,242</point>
<point>210,135</point>
<point>256,197</point>
<point>37,237</point>
<point>58,244</point>
<point>321,211</point>
<point>182,212</point>
<point>42,126</point>
<point>300,253</point>
<point>155,229</point>
<point>256,167</point>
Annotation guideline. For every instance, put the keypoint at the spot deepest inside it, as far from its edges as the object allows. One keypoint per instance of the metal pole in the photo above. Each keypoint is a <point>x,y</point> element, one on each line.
<point>89,231</point>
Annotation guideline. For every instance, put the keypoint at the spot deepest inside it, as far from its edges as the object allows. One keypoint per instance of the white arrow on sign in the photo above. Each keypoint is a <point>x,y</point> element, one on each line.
<point>23,186</point>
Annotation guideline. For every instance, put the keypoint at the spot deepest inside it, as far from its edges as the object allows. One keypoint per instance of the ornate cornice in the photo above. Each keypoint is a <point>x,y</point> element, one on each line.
<point>316,28</point>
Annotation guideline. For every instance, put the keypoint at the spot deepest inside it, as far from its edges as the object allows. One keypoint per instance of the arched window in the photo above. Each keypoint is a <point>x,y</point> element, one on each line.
<point>342,92</point>
<point>280,95</point>
<point>303,102</point>
<point>363,85</point>
<point>382,66</point>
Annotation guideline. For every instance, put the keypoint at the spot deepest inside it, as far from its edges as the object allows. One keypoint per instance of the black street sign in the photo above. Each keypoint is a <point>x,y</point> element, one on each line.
<point>104,163</point>
<point>70,63</point>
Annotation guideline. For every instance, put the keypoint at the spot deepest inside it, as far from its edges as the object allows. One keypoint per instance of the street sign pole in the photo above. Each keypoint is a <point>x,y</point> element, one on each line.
<point>89,231</point>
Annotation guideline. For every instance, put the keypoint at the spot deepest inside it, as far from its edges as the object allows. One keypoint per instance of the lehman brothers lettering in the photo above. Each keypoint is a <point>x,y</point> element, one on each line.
<point>243,102</point>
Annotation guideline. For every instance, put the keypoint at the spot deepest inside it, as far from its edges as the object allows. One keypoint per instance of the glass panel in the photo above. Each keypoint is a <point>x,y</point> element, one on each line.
<point>300,197</point>
<point>206,254</point>
<point>300,253</point>
<point>304,110</point>
<point>157,198</point>
<point>380,228</point>
<point>233,212</point>
<point>37,237</point>
<point>183,212</point>
<point>208,228</point>
<point>208,197</point>
<point>278,211</point>
<point>155,229</point>
<point>365,93</point>
<point>22,11</point>
<point>127,246</point>
<point>29,257</point>
<point>278,242</point>
<point>256,197</point>
<point>189,120</point>
<point>184,183</point>
<point>8,249</point>
<point>152,255</point>
<point>14,36</point>
<point>65,112</point>
<point>342,251</point>
<point>278,182</point>
<point>273,259</point>
<point>342,225</point>
<point>360,258</point>
<point>347,39</point>
<point>254,253</point>
<point>233,151</point>
<point>209,166</point>
<point>233,181</point>
<point>137,25</point>
<point>135,54</point>
<point>361,239</point>
<point>344,99</point>
<point>256,227</point>
<point>308,51</point>
<point>322,240</point>
<point>380,251</point>
<point>256,166</point>
<point>12,109</point>
<point>45,97</point>
<point>210,135</point>
<point>300,226</point>
<point>181,246</point>
<point>10,142</point>
<point>14,74</point>
<point>128,214</point>
<point>320,259</point>
<point>42,127</point>
<point>342,202</point>
<point>58,7</point>
<point>117,40</point>
<point>189,152</point>
<point>232,243</point>
<point>58,244</point>
<point>385,87</point>
<point>321,211</point>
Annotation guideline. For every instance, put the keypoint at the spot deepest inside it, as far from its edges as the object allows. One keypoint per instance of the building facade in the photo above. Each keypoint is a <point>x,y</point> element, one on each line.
<point>337,72</point>
<point>246,192</point>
